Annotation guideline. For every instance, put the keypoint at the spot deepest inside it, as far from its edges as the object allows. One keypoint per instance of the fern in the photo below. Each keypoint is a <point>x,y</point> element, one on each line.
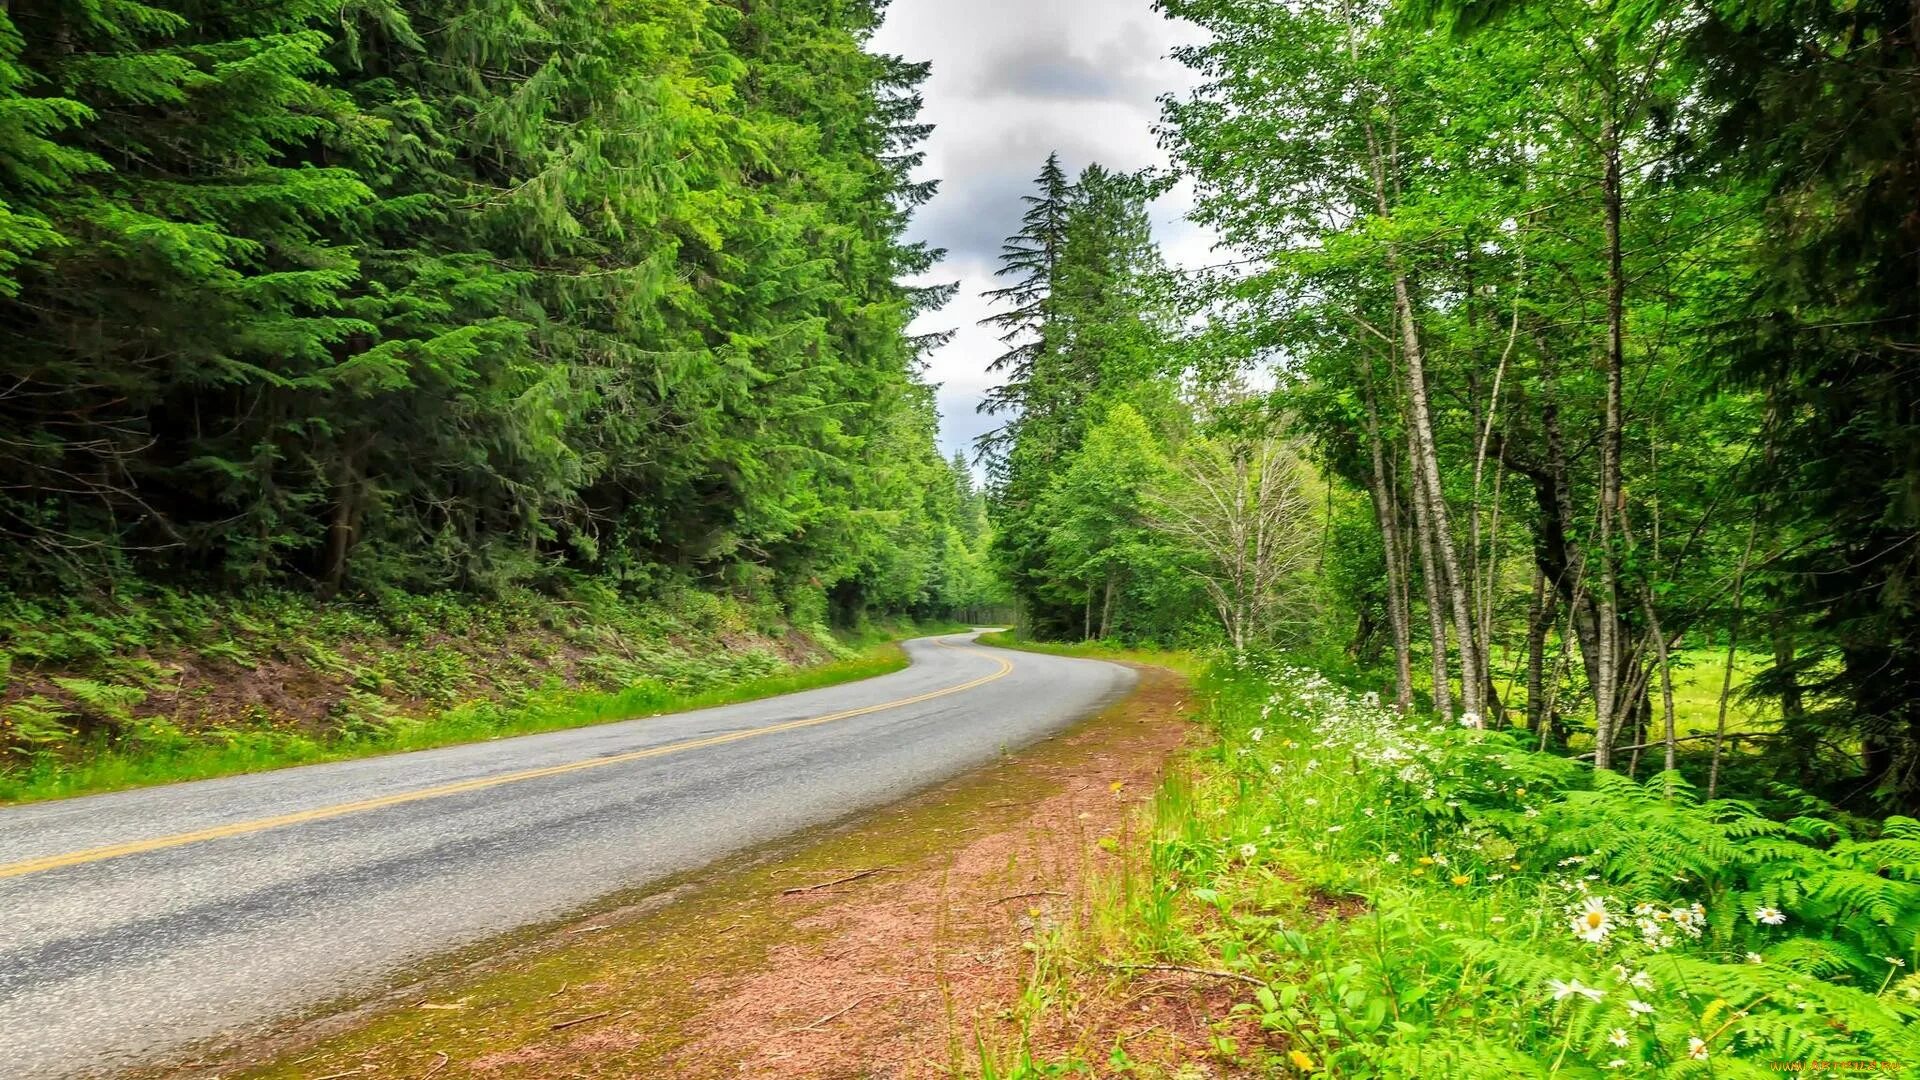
<point>35,722</point>
<point>104,701</point>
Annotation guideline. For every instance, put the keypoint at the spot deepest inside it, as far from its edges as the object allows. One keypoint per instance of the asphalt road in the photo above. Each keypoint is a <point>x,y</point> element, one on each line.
<point>140,922</point>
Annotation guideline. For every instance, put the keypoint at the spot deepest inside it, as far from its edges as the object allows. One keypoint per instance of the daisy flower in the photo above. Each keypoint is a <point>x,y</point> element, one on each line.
<point>1591,922</point>
<point>1638,1007</point>
<point>1696,1048</point>
<point>1771,916</point>
<point>1618,1036</point>
<point>1248,851</point>
<point>1562,990</point>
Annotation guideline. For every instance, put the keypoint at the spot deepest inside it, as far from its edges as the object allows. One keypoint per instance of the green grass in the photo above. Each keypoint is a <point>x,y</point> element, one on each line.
<point>1697,674</point>
<point>1181,661</point>
<point>243,751</point>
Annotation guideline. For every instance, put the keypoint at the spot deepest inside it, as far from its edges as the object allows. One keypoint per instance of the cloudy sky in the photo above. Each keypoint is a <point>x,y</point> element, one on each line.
<point>1013,80</point>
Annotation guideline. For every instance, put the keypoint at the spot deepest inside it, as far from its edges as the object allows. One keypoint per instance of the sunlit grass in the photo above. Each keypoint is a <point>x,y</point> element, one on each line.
<point>1183,661</point>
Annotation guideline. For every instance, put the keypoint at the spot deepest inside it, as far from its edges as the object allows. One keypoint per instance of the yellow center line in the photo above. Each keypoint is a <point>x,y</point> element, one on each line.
<point>242,828</point>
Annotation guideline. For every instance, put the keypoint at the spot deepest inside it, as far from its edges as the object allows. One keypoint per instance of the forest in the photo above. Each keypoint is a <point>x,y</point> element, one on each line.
<point>1556,352</point>
<point>425,296</point>
<point>329,332</point>
<point>1541,446</point>
<point>1537,466</point>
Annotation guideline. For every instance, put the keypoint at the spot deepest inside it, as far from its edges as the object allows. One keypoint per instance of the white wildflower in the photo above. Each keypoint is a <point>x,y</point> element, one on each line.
<point>1567,989</point>
<point>1591,922</point>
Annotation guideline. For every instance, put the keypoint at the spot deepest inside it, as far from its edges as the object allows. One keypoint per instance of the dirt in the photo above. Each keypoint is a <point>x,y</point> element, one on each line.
<point>892,946</point>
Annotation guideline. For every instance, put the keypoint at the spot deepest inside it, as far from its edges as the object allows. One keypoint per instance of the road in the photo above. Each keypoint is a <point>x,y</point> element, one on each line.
<point>138,923</point>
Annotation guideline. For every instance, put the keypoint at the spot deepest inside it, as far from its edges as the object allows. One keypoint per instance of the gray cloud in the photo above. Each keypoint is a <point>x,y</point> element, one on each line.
<point>970,220</point>
<point>1039,72</point>
<point>1121,69</point>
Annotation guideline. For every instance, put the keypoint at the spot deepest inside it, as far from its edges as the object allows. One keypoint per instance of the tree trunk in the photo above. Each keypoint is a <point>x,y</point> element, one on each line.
<point>1605,706</point>
<point>345,523</point>
<point>1436,613</point>
<point>1539,619</point>
<point>1733,647</point>
<point>1427,482</point>
<point>1662,657</point>
<point>1430,493</point>
<point>1379,487</point>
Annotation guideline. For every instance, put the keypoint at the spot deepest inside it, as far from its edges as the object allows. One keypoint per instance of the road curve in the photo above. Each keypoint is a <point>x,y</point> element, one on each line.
<point>139,922</point>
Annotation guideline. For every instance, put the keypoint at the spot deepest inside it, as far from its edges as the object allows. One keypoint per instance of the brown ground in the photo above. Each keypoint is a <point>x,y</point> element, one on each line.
<point>894,946</point>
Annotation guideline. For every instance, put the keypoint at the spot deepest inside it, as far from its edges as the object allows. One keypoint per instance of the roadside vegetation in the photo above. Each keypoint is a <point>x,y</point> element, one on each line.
<point>1386,895</point>
<point>186,687</point>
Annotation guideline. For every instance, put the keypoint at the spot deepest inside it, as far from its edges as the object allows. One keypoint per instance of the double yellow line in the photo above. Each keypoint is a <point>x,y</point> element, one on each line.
<point>242,828</point>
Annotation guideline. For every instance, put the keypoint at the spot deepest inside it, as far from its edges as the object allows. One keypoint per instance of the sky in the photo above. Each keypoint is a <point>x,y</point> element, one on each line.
<point>1012,81</point>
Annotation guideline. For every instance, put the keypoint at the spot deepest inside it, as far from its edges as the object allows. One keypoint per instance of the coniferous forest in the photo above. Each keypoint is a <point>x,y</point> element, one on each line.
<point>325,329</point>
<point>465,296</point>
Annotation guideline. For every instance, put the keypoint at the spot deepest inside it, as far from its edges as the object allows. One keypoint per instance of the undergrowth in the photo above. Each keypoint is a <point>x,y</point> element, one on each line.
<point>1391,897</point>
<point>171,686</point>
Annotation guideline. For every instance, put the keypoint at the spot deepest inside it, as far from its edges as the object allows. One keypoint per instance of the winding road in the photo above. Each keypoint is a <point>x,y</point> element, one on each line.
<point>141,922</point>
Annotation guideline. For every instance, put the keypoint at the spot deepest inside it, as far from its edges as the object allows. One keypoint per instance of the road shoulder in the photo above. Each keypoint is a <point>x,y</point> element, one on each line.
<point>890,945</point>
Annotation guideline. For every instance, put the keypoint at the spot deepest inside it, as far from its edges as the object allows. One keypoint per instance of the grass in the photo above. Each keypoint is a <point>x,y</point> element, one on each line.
<point>1388,897</point>
<point>1697,673</point>
<point>226,753</point>
<point>1183,662</point>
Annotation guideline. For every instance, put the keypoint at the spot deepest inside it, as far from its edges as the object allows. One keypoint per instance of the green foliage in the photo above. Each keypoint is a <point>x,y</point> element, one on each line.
<point>1504,912</point>
<point>469,294</point>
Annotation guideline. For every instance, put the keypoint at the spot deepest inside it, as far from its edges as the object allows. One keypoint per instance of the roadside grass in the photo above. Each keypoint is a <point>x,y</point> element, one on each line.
<point>1373,896</point>
<point>1183,662</point>
<point>171,756</point>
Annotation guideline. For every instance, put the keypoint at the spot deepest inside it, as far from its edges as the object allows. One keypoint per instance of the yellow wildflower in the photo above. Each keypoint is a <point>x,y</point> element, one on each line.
<point>1301,1060</point>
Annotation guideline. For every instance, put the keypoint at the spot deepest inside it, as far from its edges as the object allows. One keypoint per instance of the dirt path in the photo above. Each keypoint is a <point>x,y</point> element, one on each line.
<point>890,947</point>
